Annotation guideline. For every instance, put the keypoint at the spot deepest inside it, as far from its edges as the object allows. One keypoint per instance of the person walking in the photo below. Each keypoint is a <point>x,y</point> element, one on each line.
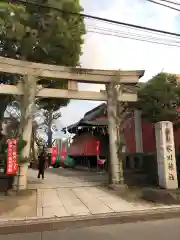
<point>41,164</point>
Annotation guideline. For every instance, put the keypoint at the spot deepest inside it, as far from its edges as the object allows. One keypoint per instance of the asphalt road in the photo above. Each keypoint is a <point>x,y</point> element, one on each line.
<point>161,229</point>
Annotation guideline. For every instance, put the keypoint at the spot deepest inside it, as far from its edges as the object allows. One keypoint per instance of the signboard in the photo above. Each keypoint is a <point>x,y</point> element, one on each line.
<point>54,155</point>
<point>167,172</point>
<point>12,165</point>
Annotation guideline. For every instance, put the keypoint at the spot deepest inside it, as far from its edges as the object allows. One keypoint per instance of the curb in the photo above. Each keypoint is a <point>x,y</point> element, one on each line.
<point>50,224</point>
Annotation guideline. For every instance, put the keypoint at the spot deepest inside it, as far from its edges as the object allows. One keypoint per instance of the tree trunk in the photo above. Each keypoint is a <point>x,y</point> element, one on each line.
<point>50,139</point>
<point>34,153</point>
<point>49,134</point>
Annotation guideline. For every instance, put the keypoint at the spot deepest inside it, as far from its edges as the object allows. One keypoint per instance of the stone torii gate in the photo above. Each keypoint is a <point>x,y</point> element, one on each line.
<point>30,89</point>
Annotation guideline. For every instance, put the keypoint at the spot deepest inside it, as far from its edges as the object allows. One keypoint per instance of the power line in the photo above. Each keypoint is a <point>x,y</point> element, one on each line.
<point>132,38</point>
<point>172,2</point>
<point>167,40</point>
<point>94,17</point>
<point>131,30</point>
<point>164,5</point>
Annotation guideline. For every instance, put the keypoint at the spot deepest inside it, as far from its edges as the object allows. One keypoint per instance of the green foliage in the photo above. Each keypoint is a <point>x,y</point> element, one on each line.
<point>42,35</point>
<point>159,98</point>
<point>40,142</point>
<point>21,144</point>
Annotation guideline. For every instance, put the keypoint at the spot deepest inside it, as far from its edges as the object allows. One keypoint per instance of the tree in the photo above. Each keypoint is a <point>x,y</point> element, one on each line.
<point>43,35</point>
<point>49,118</point>
<point>46,121</point>
<point>159,98</point>
<point>13,113</point>
<point>8,21</point>
<point>60,39</point>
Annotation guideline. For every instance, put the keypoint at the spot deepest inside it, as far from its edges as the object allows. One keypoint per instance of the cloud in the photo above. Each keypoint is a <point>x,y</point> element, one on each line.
<point>109,52</point>
<point>116,53</point>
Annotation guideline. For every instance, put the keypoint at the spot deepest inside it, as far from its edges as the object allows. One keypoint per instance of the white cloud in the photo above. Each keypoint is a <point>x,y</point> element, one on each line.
<point>108,52</point>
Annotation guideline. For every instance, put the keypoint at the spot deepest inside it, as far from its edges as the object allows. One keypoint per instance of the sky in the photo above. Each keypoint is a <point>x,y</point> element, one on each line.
<point>107,52</point>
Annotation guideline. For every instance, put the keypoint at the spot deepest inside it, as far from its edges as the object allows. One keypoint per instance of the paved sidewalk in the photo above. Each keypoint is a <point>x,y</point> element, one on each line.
<point>66,192</point>
<point>61,202</point>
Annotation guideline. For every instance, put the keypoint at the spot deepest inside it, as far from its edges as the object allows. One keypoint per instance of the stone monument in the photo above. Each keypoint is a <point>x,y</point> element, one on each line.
<point>166,159</point>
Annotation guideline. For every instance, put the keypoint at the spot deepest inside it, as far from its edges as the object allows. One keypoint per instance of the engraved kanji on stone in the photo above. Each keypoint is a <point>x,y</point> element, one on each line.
<point>171,177</point>
<point>169,158</point>
<point>170,166</point>
<point>167,134</point>
<point>169,148</point>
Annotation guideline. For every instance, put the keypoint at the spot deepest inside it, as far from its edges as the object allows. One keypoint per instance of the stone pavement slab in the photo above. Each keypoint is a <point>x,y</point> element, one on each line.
<point>94,205</point>
<point>72,203</point>
<point>54,211</point>
<point>49,204</point>
<point>50,198</point>
<point>115,203</point>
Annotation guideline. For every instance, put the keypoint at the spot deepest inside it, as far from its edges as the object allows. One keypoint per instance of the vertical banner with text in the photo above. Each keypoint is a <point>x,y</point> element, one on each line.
<point>54,155</point>
<point>12,165</point>
<point>63,154</point>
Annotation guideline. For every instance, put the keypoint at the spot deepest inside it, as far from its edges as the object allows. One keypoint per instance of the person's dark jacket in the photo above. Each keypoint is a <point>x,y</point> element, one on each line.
<point>41,164</point>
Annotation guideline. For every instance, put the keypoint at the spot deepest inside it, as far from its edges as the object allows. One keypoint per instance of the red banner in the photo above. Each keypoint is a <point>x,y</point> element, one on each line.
<point>63,154</point>
<point>12,165</point>
<point>54,155</point>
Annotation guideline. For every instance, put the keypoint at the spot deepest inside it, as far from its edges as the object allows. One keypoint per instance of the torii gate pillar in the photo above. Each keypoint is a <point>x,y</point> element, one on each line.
<point>113,135</point>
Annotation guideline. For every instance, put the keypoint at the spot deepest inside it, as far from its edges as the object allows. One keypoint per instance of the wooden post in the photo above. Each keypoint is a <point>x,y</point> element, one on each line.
<point>113,133</point>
